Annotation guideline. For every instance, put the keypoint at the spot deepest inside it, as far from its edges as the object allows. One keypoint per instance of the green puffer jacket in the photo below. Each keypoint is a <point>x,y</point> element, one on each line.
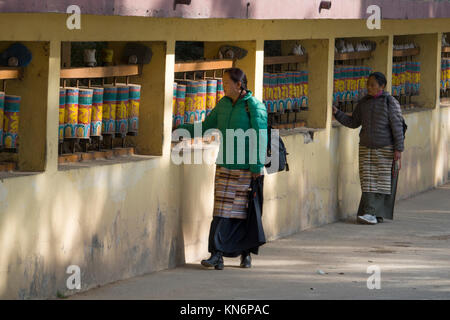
<point>226,116</point>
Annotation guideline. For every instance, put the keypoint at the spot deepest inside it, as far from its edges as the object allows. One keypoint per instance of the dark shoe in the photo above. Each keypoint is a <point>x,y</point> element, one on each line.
<point>246,261</point>
<point>216,261</point>
<point>380,219</point>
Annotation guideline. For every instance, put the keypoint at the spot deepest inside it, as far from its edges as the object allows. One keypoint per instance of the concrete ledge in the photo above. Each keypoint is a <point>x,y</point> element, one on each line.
<point>414,110</point>
<point>336,124</point>
<point>95,155</point>
<point>105,161</point>
<point>16,174</point>
<point>445,102</point>
<point>302,130</point>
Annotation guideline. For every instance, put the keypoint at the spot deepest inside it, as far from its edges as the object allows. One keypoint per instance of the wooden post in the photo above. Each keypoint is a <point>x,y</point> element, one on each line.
<point>66,54</point>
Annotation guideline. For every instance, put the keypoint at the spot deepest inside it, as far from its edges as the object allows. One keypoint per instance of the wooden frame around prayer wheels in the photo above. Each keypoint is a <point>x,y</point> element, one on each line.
<point>406,52</point>
<point>101,72</point>
<point>204,65</point>
<point>8,73</point>
<point>352,55</point>
<point>285,59</point>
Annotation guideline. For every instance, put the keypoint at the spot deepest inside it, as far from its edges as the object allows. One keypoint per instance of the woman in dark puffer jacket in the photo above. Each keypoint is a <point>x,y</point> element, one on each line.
<point>380,148</point>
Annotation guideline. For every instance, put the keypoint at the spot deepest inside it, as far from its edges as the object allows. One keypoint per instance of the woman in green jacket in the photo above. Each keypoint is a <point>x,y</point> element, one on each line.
<point>236,165</point>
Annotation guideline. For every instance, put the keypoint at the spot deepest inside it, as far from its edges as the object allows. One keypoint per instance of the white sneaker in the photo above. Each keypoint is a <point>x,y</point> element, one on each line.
<point>367,219</point>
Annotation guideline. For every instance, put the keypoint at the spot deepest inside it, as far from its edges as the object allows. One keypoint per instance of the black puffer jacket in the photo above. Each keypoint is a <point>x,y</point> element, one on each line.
<point>381,124</point>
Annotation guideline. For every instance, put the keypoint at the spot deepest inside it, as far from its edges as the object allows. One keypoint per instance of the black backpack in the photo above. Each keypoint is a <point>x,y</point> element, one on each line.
<point>274,148</point>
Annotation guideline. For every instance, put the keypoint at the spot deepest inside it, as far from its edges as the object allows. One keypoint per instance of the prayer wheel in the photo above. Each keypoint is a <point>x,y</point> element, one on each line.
<point>133,108</point>
<point>123,93</point>
<point>180,105</point>
<point>2,113</point>
<point>11,122</point>
<point>97,112</point>
<point>220,91</point>
<point>174,103</point>
<point>211,95</point>
<point>200,100</point>
<point>62,108</point>
<point>84,113</point>
<point>191,93</point>
<point>109,110</point>
<point>71,113</point>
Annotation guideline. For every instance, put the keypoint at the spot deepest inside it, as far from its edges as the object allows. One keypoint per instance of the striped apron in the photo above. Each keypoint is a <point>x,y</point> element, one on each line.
<point>231,193</point>
<point>375,169</point>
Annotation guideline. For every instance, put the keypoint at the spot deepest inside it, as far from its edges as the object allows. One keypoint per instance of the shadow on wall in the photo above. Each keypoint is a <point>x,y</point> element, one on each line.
<point>110,221</point>
<point>418,172</point>
<point>304,197</point>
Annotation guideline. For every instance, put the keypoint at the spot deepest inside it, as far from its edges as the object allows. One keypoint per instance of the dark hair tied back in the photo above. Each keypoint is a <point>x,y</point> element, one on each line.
<point>237,75</point>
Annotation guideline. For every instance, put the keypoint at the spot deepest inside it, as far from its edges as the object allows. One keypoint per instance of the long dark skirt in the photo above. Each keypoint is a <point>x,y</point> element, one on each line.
<point>235,236</point>
<point>229,235</point>
<point>378,204</point>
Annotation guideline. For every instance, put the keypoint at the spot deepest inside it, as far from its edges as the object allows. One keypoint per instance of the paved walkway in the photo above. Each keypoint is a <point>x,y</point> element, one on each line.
<point>330,262</point>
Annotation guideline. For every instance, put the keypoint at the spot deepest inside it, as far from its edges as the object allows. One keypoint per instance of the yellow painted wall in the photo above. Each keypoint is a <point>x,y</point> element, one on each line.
<point>125,219</point>
<point>32,88</point>
<point>247,63</point>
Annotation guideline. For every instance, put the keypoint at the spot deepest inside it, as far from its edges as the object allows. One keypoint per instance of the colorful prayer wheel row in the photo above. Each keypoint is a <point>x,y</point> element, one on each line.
<point>406,78</point>
<point>88,112</point>
<point>9,120</point>
<point>194,99</point>
<point>445,74</point>
<point>285,91</point>
<point>350,83</point>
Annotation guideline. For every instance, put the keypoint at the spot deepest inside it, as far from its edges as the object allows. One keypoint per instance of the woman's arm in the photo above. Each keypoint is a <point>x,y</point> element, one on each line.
<point>396,122</point>
<point>353,121</point>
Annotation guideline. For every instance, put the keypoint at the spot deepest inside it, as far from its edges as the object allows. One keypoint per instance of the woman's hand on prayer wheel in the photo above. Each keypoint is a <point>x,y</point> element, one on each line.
<point>335,110</point>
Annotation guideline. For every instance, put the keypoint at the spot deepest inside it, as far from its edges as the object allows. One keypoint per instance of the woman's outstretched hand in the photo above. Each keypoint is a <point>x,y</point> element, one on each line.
<point>335,110</point>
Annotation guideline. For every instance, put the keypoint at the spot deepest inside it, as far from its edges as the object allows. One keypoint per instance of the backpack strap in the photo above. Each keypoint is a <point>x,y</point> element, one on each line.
<point>405,126</point>
<point>248,112</point>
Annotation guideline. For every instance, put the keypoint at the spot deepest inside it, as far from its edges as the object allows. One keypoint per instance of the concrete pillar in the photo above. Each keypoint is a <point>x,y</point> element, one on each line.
<point>34,91</point>
<point>259,69</point>
<point>154,101</point>
<point>168,97</point>
<point>389,62</point>
<point>247,64</point>
<point>379,60</point>
<point>430,69</point>
<point>53,106</point>
<point>320,81</point>
<point>330,81</point>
